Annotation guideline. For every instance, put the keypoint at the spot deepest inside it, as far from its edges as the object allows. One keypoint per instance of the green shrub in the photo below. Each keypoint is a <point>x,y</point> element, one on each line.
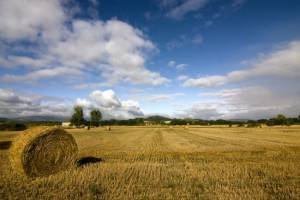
<point>253,125</point>
<point>12,126</point>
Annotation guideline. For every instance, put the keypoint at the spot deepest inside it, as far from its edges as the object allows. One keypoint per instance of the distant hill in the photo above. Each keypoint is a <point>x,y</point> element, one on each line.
<point>239,120</point>
<point>2,119</point>
<point>157,118</point>
<point>40,118</point>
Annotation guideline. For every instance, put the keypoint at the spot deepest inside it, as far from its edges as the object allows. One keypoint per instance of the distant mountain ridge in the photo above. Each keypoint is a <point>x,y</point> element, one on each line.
<point>40,118</point>
<point>50,118</point>
<point>238,120</point>
<point>157,118</point>
<point>2,119</point>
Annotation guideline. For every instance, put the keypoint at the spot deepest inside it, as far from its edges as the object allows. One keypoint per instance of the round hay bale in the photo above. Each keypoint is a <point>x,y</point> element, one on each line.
<point>42,151</point>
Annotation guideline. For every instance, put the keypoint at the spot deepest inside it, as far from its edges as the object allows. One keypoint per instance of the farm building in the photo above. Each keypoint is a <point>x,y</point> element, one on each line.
<point>66,124</point>
<point>149,123</point>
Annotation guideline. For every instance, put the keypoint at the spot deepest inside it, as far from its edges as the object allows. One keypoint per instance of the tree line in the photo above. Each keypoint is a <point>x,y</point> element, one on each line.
<point>78,120</point>
<point>95,119</point>
<point>277,120</point>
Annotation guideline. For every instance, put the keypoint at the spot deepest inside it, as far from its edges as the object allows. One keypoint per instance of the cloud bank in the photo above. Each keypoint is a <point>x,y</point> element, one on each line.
<point>110,105</point>
<point>284,62</point>
<point>264,89</point>
<point>16,104</point>
<point>178,66</point>
<point>42,38</point>
<point>255,102</point>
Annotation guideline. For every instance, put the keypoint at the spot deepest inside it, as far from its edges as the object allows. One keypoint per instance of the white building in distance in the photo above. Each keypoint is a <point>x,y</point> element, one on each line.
<point>66,124</point>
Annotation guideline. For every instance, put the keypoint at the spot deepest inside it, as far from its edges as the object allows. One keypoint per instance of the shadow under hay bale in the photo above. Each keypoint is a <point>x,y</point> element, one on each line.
<point>43,151</point>
<point>87,161</point>
<point>5,145</point>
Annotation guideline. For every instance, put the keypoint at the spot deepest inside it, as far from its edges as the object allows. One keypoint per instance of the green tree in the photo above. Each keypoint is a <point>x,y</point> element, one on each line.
<point>280,120</point>
<point>96,116</point>
<point>77,117</point>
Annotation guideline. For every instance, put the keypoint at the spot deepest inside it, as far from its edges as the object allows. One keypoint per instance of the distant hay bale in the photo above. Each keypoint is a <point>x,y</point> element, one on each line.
<point>42,151</point>
<point>108,128</point>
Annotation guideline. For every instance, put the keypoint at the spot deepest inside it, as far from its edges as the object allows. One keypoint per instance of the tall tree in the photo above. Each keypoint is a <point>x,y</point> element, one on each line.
<point>77,117</point>
<point>280,120</point>
<point>96,116</point>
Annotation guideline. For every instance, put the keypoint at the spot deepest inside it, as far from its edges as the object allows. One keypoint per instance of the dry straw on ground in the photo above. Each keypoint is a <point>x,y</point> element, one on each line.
<point>151,162</point>
<point>43,151</point>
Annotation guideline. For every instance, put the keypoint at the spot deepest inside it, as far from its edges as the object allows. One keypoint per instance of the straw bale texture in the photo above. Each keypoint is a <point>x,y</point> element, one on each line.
<point>43,151</point>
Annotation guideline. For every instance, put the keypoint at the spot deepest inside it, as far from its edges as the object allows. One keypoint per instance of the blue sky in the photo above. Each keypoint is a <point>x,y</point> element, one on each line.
<point>205,59</point>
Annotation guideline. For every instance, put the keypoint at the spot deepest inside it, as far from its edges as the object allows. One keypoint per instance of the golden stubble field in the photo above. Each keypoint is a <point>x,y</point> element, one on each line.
<point>170,163</point>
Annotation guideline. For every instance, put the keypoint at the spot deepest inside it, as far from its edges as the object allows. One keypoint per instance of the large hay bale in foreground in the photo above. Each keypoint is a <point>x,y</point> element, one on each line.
<point>43,151</point>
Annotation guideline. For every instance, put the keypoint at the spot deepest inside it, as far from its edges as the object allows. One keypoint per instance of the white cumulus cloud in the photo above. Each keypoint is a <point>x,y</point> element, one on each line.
<point>284,62</point>
<point>112,50</point>
<point>110,105</point>
<point>178,66</point>
<point>30,19</point>
<point>256,102</point>
<point>201,110</point>
<point>18,104</point>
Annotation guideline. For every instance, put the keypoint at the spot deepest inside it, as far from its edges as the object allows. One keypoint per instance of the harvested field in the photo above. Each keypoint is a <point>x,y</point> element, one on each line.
<point>169,163</point>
